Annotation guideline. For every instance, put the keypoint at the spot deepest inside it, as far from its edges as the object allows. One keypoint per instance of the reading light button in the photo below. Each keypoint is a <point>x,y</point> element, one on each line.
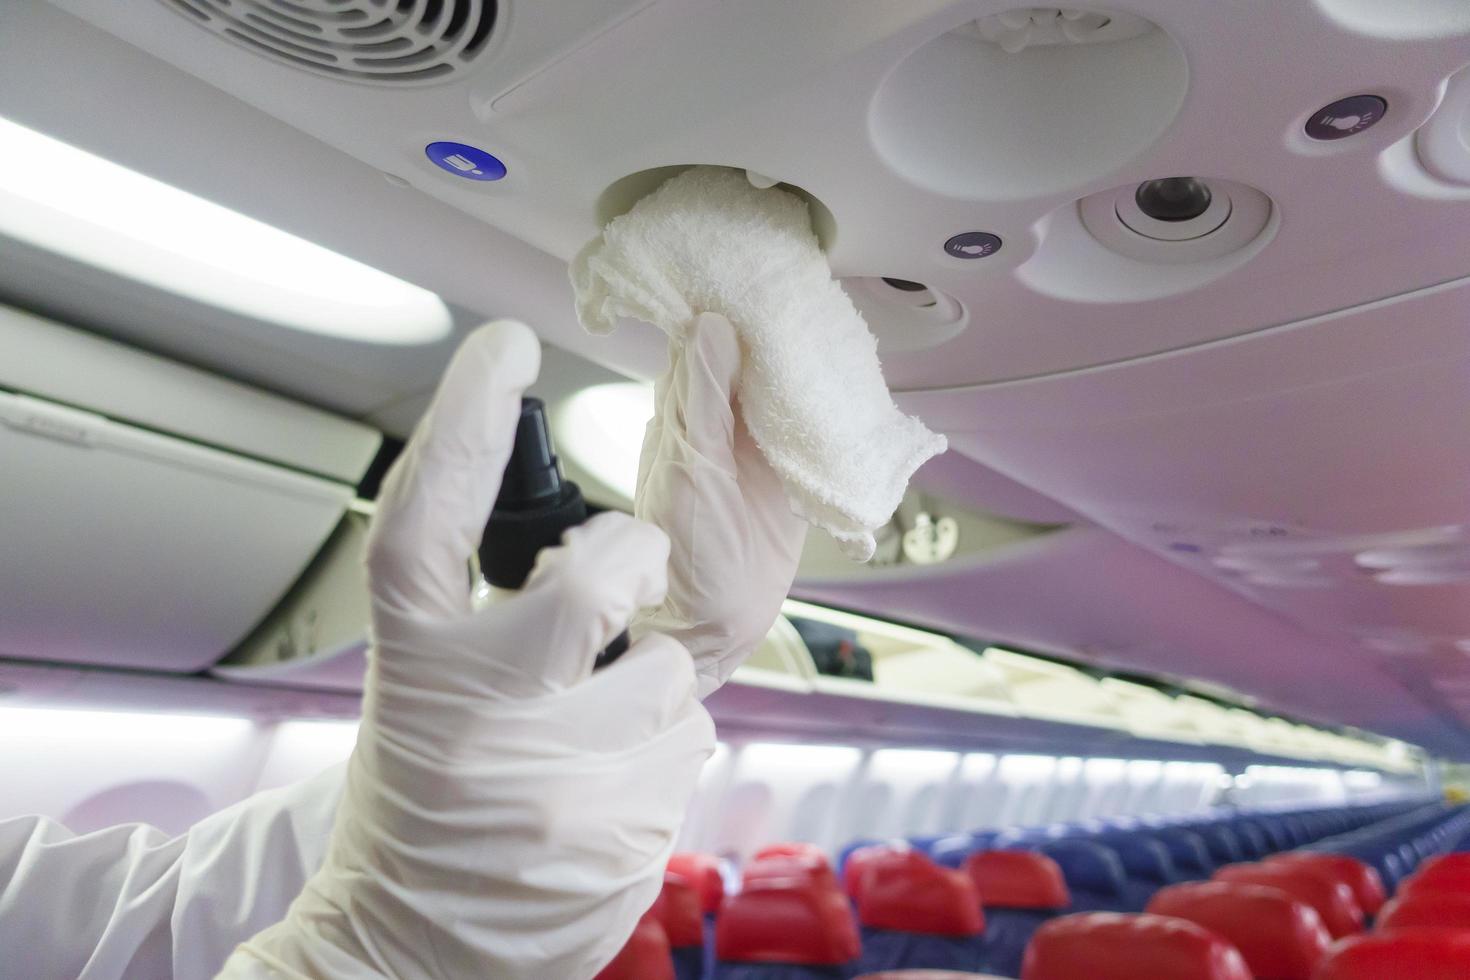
<point>1346,117</point>
<point>464,160</point>
<point>973,245</point>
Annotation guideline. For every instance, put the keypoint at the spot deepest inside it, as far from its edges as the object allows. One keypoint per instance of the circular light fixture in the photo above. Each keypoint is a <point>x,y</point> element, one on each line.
<point>599,431</point>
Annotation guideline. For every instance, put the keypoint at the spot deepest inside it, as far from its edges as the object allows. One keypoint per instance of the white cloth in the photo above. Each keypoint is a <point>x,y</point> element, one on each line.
<point>811,388</point>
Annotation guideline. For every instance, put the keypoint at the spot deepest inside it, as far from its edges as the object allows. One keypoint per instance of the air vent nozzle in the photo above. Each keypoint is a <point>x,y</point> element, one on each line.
<point>384,42</point>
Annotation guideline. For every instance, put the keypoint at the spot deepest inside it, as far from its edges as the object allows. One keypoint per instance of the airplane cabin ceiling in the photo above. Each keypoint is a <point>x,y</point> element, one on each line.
<point>1258,431</point>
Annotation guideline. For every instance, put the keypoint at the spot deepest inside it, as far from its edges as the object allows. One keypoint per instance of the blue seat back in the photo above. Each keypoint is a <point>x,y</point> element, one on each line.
<point>1144,858</point>
<point>1093,873</point>
<point>1007,933</point>
<point>886,949</point>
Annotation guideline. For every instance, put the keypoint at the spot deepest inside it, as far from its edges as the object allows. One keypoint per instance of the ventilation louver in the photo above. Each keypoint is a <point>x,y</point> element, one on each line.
<point>385,42</point>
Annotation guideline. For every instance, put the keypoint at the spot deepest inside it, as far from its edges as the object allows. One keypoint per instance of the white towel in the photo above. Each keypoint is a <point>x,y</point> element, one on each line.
<point>811,388</point>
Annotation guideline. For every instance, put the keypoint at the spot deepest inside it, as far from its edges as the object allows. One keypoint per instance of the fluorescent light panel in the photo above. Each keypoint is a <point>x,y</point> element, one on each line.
<point>111,727</point>
<point>66,200</point>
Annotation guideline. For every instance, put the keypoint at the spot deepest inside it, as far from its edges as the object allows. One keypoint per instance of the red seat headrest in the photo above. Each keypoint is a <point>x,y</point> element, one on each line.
<point>907,892</point>
<point>858,861</point>
<point>703,872</point>
<point>1113,946</point>
<point>1017,880</point>
<point>1280,937</point>
<point>786,921</point>
<point>677,909</point>
<point>1446,873</point>
<point>1360,876</point>
<point>792,849</point>
<point>813,868</point>
<point>1414,954</point>
<point>1333,900</point>
<point>1430,909</point>
<point>645,956</point>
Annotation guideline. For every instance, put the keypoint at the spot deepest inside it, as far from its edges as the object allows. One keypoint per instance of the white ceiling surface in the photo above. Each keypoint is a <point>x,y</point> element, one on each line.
<point>1342,429</point>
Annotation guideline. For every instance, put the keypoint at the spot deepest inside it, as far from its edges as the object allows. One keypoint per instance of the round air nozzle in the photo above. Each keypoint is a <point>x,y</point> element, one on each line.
<point>1173,198</point>
<point>386,42</point>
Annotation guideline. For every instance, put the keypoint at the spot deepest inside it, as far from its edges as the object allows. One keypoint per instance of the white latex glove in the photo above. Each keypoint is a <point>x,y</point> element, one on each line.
<point>702,478</point>
<point>506,813</point>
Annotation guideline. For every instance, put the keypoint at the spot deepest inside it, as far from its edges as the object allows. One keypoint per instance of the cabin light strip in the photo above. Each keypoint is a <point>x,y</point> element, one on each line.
<point>62,199</point>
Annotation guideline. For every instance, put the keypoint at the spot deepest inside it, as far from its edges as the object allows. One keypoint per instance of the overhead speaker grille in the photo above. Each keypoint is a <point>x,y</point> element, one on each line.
<point>384,42</point>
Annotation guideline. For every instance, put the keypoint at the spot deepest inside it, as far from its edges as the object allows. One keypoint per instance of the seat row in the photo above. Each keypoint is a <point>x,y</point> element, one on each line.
<point>956,903</point>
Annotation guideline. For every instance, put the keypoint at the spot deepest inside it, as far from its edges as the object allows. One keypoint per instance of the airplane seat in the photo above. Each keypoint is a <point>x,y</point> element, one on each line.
<point>952,851</point>
<point>1113,946</point>
<point>925,842</point>
<point>1144,858</point>
<point>1278,834</point>
<point>1280,937</point>
<point>1390,866</point>
<point>1447,872</point>
<point>1253,842</point>
<point>786,929</point>
<point>1329,896</point>
<point>1019,837</point>
<point>1223,844</point>
<point>860,860</point>
<point>1020,891</point>
<point>1188,851</point>
<point>678,910</point>
<point>1365,882</point>
<point>811,867</point>
<point>792,849</point>
<point>1420,954</point>
<point>916,914</point>
<point>645,956</point>
<point>1095,876</point>
<point>852,847</point>
<point>1426,908</point>
<point>703,872</point>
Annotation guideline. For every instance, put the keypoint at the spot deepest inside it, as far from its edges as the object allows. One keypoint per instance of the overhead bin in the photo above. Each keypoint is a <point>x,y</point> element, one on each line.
<point>151,514</point>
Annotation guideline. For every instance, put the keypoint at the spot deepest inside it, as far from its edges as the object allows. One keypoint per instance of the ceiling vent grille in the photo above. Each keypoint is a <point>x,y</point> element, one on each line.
<point>385,42</point>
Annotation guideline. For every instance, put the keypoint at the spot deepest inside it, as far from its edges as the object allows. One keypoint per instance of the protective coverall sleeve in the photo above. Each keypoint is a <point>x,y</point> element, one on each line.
<point>133,902</point>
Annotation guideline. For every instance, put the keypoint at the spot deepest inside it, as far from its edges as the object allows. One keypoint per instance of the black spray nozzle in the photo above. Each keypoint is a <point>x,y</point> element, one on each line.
<point>535,505</point>
<point>533,474</point>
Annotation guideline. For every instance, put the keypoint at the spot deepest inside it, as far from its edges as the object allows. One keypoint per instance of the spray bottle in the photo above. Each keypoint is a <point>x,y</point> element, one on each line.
<point>536,505</point>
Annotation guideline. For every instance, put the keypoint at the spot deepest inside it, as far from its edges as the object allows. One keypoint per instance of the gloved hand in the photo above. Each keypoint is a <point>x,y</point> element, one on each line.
<point>506,813</point>
<point>702,478</point>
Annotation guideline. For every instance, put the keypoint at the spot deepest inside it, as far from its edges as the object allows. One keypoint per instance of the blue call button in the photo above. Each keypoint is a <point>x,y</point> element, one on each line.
<point>464,160</point>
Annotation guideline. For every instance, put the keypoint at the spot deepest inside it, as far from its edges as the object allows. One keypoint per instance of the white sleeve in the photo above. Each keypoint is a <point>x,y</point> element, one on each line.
<point>130,903</point>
